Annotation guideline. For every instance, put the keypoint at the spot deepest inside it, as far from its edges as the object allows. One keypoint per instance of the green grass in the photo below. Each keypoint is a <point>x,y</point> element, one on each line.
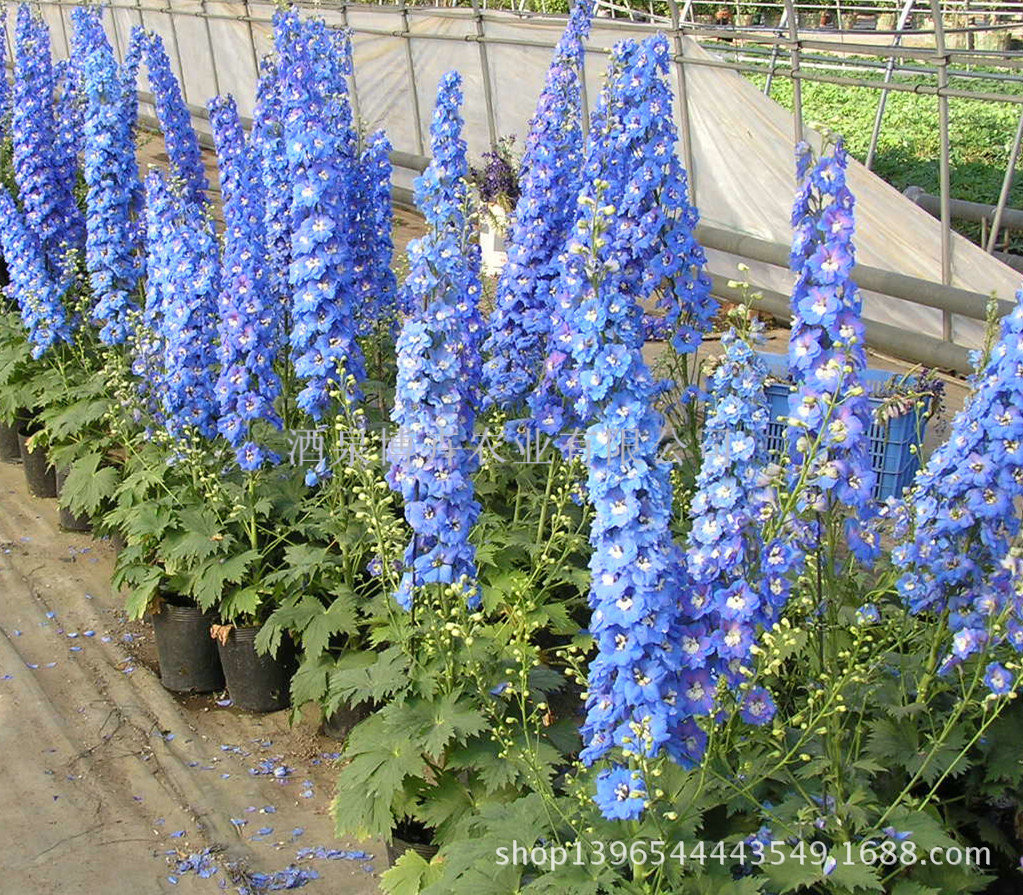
<point>980,136</point>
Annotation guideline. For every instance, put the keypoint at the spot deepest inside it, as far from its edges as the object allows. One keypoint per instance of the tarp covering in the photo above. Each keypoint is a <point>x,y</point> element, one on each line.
<point>742,142</point>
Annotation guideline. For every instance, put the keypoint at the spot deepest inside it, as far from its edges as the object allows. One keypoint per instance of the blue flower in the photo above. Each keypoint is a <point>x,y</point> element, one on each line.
<point>953,529</point>
<point>113,251</point>
<point>643,685</point>
<point>320,147</point>
<point>655,230</point>
<point>758,707</point>
<point>181,302</point>
<point>180,138</point>
<point>44,189</point>
<point>621,793</point>
<point>829,411</point>
<point>269,143</point>
<point>5,87</point>
<point>376,288</point>
<point>549,182</point>
<point>248,385</point>
<point>999,680</point>
<point>437,390</point>
<point>38,294</point>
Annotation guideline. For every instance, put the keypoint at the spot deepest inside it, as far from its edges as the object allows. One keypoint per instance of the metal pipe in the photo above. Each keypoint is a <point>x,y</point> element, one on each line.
<point>683,98</point>
<point>774,56</point>
<point>213,55</point>
<point>488,91</point>
<point>353,87</point>
<point>797,86</point>
<point>907,7</point>
<point>1003,196</point>
<point>943,162</point>
<point>252,40</point>
<point>961,209</point>
<point>416,115</point>
<point>952,299</point>
<point>911,346</point>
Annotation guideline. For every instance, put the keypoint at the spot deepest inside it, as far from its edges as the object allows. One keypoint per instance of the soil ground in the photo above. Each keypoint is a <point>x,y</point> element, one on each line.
<point>108,779</point>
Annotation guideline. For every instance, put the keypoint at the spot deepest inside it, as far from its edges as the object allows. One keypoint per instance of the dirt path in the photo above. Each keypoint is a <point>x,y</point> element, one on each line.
<point>106,780</point>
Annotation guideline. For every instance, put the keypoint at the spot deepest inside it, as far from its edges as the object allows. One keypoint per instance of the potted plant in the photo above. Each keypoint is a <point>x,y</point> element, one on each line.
<point>497,182</point>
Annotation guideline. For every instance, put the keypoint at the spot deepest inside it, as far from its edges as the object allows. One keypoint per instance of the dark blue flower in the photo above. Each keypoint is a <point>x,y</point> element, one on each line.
<point>38,295</point>
<point>320,150</point>
<point>45,191</point>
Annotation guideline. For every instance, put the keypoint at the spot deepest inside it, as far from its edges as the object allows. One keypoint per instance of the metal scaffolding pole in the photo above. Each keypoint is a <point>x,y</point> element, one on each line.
<point>1003,196</point>
<point>213,55</point>
<point>417,118</point>
<point>943,162</point>
<point>797,86</point>
<point>683,98</point>
<point>353,87</point>
<point>488,87</point>
<point>775,50</point>
<point>907,9</point>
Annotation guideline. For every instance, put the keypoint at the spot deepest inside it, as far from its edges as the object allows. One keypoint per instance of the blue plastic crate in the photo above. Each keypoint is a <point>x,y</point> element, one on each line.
<point>891,444</point>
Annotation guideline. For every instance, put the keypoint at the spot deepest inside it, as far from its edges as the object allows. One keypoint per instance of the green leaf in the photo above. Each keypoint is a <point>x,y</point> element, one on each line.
<point>909,887</point>
<point>143,589</point>
<point>309,683</point>
<point>244,602</point>
<point>791,875</point>
<point>410,874</point>
<point>88,485</point>
<point>206,584</point>
<point>200,538</point>
<point>376,767</point>
<point>451,718</point>
<point>355,681</point>
<point>855,876</point>
<point>340,616</point>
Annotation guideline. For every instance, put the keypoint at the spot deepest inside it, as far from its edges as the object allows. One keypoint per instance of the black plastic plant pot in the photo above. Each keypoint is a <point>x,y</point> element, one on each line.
<point>189,661</point>
<point>409,835</point>
<point>339,723</point>
<point>10,452</point>
<point>68,520</point>
<point>40,476</point>
<point>255,683</point>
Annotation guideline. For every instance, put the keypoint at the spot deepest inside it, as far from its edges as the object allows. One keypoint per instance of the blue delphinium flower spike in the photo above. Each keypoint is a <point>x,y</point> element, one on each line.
<point>957,525</point>
<point>651,200</point>
<point>641,695</point>
<point>180,138</point>
<point>182,290</point>
<point>829,410</point>
<point>433,455</point>
<point>44,192</point>
<point>323,340</point>
<point>726,604</point>
<point>113,250</point>
<point>37,293</point>
<point>376,287</point>
<point>550,181</point>
<point>248,386</point>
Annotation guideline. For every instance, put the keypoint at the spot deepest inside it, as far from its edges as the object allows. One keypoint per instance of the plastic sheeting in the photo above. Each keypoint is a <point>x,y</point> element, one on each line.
<point>742,142</point>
